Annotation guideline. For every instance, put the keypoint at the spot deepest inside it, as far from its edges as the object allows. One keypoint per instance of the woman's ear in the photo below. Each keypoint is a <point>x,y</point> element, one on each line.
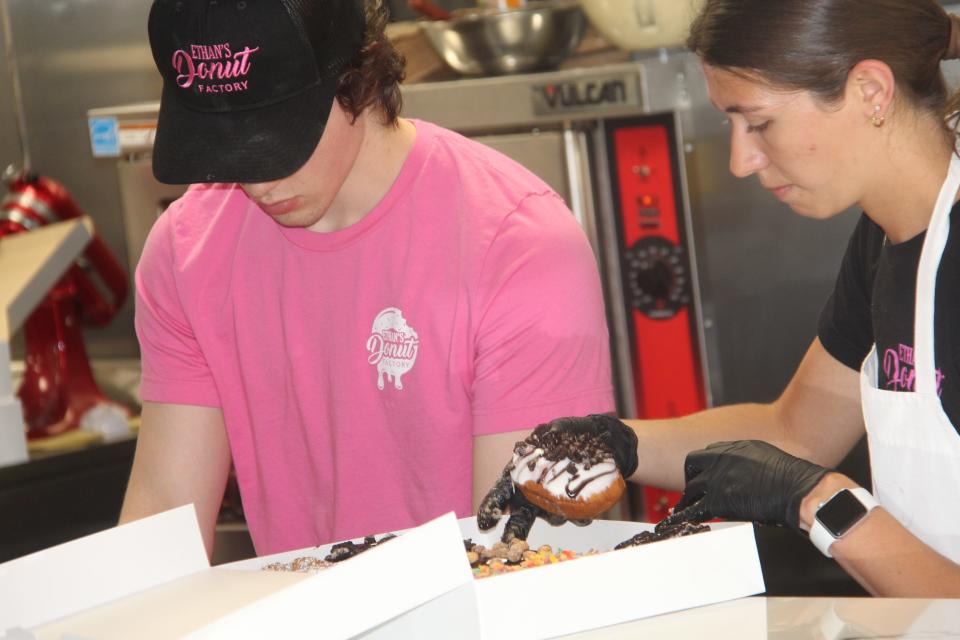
<point>871,87</point>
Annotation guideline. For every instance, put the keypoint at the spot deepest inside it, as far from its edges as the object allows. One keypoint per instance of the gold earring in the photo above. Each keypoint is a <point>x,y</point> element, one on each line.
<point>878,119</point>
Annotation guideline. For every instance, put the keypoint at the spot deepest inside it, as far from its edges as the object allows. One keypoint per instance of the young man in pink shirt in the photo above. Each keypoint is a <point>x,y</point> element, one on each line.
<point>363,313</point>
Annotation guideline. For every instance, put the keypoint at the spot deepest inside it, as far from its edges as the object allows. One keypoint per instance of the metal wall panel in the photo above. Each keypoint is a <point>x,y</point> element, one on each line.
<point>9,145</point>
<point>74,55</point>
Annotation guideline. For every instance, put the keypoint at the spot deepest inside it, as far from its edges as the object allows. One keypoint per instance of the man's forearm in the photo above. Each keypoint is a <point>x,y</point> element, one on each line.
<point>182,456</point>
<point>147,494</point>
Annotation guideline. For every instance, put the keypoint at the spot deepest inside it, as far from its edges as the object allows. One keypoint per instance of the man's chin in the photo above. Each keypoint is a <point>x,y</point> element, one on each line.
<point>293,221</point>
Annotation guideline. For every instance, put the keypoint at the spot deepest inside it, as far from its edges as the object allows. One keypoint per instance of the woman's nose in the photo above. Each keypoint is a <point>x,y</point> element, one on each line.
<point>746,158</point>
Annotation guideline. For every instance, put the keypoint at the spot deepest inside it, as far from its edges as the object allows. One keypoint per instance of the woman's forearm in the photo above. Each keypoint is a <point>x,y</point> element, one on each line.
<point>883,556</point>
<point>664,444</point>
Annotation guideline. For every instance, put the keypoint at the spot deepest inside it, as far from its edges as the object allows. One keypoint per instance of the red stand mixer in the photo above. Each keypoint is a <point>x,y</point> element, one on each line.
<point>58,387</point>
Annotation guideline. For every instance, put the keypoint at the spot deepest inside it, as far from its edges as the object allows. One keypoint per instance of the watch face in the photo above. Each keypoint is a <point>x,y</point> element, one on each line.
<point>840,513</point>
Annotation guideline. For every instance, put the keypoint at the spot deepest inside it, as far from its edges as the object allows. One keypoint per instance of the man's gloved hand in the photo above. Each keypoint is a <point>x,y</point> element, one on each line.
<point>504,496</point>
<point>746,480</point>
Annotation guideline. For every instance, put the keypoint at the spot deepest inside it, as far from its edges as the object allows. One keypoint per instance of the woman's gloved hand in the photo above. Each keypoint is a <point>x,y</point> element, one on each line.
<point>746,480</point>
<point>620,438</point>
<point>504,496</point>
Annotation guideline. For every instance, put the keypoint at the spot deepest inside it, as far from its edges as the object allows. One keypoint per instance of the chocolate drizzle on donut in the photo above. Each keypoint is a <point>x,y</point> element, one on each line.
<point>547,470</point>
<point>573,493</point>
<point>570,454</point>
<point>580,448</point>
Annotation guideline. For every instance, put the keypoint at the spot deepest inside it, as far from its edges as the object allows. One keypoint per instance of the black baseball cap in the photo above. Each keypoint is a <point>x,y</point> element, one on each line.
<point>247,84</point>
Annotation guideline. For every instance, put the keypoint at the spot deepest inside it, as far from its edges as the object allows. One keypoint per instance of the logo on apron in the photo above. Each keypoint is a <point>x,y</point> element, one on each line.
<point>899,370</point>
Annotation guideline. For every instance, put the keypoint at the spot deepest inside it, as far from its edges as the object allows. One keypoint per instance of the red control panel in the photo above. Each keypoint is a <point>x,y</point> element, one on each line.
<point>657,282</point>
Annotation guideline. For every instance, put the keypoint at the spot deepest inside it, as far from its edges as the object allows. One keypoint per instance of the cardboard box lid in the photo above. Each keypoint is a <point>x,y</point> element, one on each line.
<point>361,593</point>
<point>172,610</point>
<point>617,586</point>
<point>405,588</point>
<point>100,568</point>
<point>151,579</point>
<point>594,591</point>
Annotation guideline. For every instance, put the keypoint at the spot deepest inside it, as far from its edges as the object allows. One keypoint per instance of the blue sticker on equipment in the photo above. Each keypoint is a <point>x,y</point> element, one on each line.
<point>104,138</point>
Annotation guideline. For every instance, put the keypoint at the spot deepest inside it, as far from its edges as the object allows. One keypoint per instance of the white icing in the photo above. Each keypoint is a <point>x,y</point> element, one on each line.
<point>555,477</point>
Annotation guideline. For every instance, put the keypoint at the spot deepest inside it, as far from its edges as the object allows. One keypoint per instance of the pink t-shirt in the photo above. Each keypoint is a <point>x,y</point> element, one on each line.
<point>354,368</point>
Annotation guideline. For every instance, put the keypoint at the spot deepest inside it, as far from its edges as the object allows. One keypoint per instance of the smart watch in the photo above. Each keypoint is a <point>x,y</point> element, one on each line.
<point>838,515</point>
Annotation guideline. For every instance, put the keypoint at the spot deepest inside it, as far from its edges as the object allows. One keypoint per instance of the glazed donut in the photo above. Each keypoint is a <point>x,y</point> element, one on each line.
<point>570,474</point>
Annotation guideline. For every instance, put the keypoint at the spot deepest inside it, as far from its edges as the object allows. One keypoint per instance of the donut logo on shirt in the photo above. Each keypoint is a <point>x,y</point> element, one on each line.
<point>393,346</point>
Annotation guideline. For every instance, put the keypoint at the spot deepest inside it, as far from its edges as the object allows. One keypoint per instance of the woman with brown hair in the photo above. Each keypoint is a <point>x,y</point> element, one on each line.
<point>833,104</point>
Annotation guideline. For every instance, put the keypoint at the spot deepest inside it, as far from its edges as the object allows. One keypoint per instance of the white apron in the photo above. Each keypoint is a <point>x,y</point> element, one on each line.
<point>914,449</point>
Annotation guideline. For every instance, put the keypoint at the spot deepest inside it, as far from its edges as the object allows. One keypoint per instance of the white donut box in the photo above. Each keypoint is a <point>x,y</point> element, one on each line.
<point>151,579</point>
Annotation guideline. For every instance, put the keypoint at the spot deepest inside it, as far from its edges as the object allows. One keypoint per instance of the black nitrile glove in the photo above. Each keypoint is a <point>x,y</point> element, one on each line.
<point>619,437</point>
<point>522,513</point>
<point>747,480</point>
<point>621,440</point>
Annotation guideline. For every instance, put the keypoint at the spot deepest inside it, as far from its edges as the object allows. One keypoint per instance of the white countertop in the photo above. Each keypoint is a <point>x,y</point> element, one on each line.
<point>757,618</point>
<point>795,619</point>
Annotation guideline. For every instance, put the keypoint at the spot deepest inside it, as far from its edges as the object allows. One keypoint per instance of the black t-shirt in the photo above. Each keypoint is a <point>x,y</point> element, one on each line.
<point>873,302</point>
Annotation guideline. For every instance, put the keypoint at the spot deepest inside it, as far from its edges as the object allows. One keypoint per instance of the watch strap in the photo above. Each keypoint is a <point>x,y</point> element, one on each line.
<point>821,537</point>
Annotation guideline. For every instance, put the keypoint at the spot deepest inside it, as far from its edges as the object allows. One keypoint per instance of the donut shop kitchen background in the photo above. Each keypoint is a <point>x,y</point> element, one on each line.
<point>712,288</point>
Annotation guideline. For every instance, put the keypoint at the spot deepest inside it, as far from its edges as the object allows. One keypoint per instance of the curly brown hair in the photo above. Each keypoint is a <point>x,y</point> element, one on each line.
<point>373,77</point>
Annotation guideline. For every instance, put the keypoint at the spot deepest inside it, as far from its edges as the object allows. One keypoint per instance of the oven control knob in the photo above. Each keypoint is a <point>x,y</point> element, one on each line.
<point>657,277</point>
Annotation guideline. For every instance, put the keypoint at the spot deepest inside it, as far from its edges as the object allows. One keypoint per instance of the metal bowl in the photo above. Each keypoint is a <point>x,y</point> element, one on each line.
<point>636,25</point>
<point>535,37</point>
